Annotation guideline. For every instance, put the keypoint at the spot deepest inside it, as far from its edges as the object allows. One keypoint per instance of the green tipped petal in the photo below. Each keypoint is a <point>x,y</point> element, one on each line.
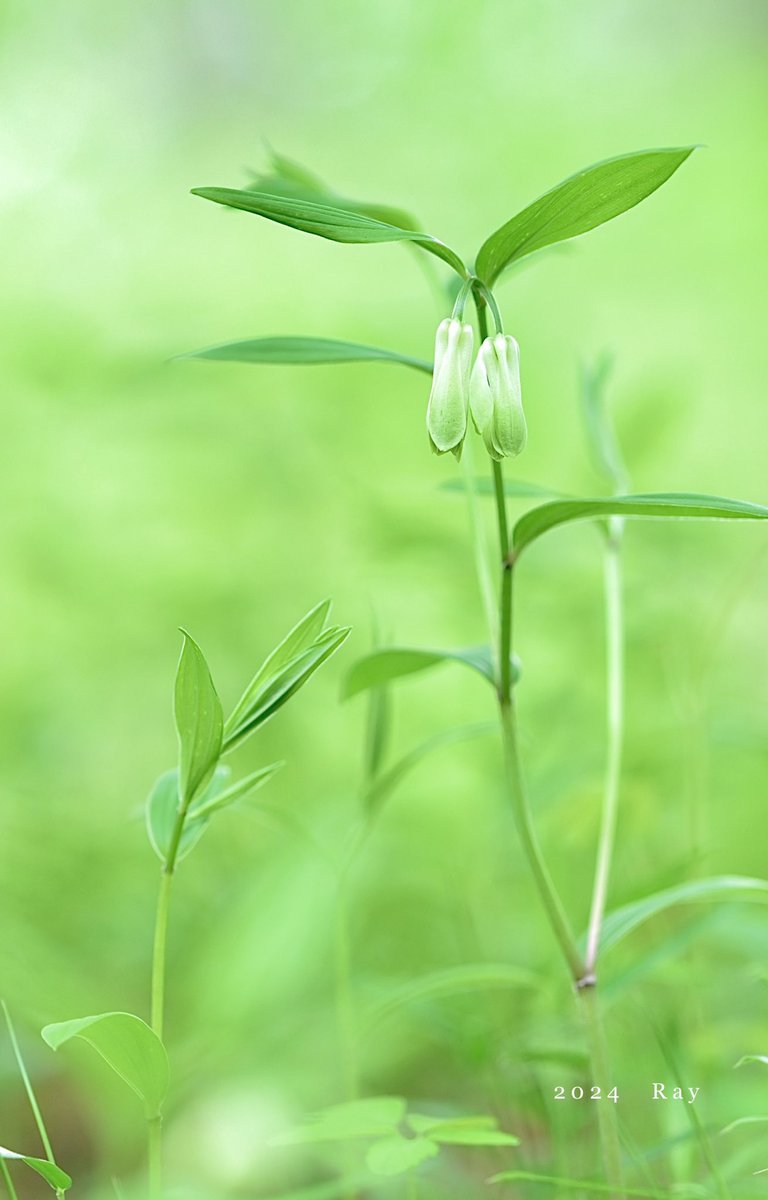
<point>449,398</point>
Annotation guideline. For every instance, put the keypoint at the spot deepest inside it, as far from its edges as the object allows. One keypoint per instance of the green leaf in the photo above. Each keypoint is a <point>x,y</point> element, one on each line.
<point>207,805</point>
<point>454,981</point>
<point>130,1047</point>
<point>302,351</point>
<point>461,1131</point>
<point>381,787</point>
<point>722,888</point>
<point>199,720</point>
<point>326,221</point>
<point>754,1058</point>
<point>367,1118</point>
<point>513,488</point>
<point>163,808</point>
<point>290,178</point>
<point>278,688</point>
<point>382,666</point>
<point>578,204</point>
<point>587,1185</point>
<point>397,1155</point>
<point>53,1175</point>
<point>659,505</point>
<point>336,1189</point>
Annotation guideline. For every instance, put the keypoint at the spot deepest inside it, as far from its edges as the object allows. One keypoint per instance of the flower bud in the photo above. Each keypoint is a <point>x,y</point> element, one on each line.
<point>494,397</point>
<point>448,400</point>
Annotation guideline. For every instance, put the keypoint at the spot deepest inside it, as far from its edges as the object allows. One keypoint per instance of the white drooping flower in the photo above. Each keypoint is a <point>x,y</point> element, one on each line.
<point>449,398</point>
<point>494,397</point>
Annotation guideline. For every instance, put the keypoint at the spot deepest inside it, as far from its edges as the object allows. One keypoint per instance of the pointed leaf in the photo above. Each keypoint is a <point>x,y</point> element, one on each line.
<point>207,805</point>
<point>382,666</point>
<point>754,1058</point>
<point>719,889</point>
<point>367,1118</point>
<point>656,505</point>
<point>326,221</point>
<point>397,1155</point>
<point>130,1047</point>
<point>199,720</point>
<point>163,808</point>
<point>587,1186</point>
<point>279,689</point>
<point>51,1173</point>
<point>302,351</point>
<point>580,203</point>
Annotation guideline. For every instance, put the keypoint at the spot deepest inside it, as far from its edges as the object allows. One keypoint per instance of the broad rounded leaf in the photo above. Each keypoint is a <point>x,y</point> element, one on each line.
<point>580,203</point>
<point>397,1155</point>
<point>655,505</point>
<point>719,889</point>
<point>163,808</point>
<point>304,351</point>
<point>130,1047</point>
<point>461,1131</point>
<point>199,720</point>
<point>337,224</point>
<point>51,1173</point>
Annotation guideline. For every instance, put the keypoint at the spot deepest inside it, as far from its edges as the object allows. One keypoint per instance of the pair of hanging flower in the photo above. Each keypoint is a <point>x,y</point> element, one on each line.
<point>489,390</point>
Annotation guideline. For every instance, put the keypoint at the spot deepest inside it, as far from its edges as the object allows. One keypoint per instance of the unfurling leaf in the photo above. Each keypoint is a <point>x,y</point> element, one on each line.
<point>326,221</point>
<point>130,1047</point>
<point>199,720</point>
<point>578,204</point>
<point>304,351</point>
<point>163,809</point>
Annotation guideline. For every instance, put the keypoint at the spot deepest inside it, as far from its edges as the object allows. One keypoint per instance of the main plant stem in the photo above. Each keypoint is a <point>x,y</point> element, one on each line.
<point>584,980</point>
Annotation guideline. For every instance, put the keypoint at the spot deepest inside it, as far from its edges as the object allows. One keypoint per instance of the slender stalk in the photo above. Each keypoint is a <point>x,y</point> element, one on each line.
<point>155,1142</point>
<point>614,627</point>
<point>37,1114</point>
<point>607,1122</point>
<point>345,1007</point>
<point>8,1181</point>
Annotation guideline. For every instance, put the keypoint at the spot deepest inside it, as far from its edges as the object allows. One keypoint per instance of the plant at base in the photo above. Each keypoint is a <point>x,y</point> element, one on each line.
<point>180,807</point>
<point>491,392</point>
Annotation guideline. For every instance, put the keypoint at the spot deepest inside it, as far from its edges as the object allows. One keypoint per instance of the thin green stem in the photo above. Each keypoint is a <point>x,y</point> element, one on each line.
<point>614,627</point>
<point>155,1142</point>
<point>479,543</point>
<point>8,1180</point>
<point>159,952</point>
<point>608,1126</point>
<point>37,1114</point>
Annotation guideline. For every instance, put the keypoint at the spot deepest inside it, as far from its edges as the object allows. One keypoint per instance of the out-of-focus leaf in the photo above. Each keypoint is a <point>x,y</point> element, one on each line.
<point>336,1189</point>
<point>657,505</point>
<point>396,1155</point>
<point>163,808</point>
<point>130,1047</point>
<point>51,1173</point>
<point>326,221</point>
<point>601,435</point>
<point>582,202</point>
<point>461,1131</point>
<point>279,686</point>
<point>372,1117</point>
<point>743,1121</point>
<point>199,720</point>
<point>382,786</point>
<point>290,178</point>
<point>203,809</point>
<point>454,981</point>
<point>591,1185</point>
<point>513,488</point>
<point>753,1058</point>
<point>719,889</point>
<point>305,351</point>
<point>383,666</point>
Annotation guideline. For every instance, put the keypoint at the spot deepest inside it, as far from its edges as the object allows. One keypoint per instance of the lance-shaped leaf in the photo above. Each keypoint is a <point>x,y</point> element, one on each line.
<point>51,1173</point>
<point>304,351</point>
<point>277,681</point>
<point>163,805</point>
<point>719,889</point>
<point>585,1186</point>
<point>657,505</point>
<point>207,805</point>
<point>580,203</point>
<point>130,1047</point>
<point>199,720</point>
<point>326,221</point>
<point>383,666</point>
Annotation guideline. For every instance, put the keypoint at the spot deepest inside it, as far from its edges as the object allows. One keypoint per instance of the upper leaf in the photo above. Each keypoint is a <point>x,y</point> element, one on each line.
<point>130,1047</point>
<point>578,204</point>
<point>655,505</point>
<point>51,1173</point>
<point>199,720</point>
<point>382,666</point>
<point>304,351</point>
<point>163,810</point>
<point>323,220</point>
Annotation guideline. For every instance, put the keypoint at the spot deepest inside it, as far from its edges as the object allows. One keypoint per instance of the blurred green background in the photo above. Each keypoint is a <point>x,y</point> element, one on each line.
<point>140,494</point>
